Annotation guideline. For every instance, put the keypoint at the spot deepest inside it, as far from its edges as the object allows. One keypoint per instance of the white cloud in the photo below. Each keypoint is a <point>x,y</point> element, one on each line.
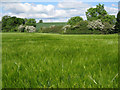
<point>27,8</point>
<point>111,10</point>
<point>62,12</point>
<point>59,0</point>
<point>72,5</point>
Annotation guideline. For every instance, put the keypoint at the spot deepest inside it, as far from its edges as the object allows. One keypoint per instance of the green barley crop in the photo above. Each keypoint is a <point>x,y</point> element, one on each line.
<point>34,60</point>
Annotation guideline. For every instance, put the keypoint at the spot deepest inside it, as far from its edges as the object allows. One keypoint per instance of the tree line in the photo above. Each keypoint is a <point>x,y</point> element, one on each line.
<point>98,20</point>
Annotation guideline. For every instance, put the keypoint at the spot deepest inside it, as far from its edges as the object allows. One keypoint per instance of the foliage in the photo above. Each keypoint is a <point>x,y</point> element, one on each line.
<point>82,31</point>
<point>15,29</point>
<point>31,22</point>
<point>40,21</point>
<point>80,28</point>
<point>96,13</point>
<point>10,23</point>
<point>100,13</point>
<point>59,61</point>
<point>72,21</point>
<point>117,26</point>
<point>108,28</point>
<point>96,25</point>
<point>110,19</point>
<point>21,28</point>
<point>66,27</point>
<point>30,29</point>
<point>82,25</point>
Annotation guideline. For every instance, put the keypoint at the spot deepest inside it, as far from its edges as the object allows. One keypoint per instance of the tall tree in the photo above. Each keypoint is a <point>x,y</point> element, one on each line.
<point>4,21</point>
<point>31,22</point>
<point>117,26</point>
<point>40,21</point>
<point>9,23</point>
<point>74,20</point>
<point>96,13</point>
<point>109,18</point>
<point>99,12</point>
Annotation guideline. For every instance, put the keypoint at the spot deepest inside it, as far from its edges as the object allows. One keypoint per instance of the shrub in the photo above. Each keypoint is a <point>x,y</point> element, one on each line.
<point>52,26</point>
<point>30,29</point>
<point>21,28</point>
<point>81,28</point>
<point>15,29</point>
<point>117,25</point>
<point>66,27</point>
<point>82,25</point>
<point>40,21</point>
<point>108,28</point>
<point>95,25</point>
<point>77,31</point>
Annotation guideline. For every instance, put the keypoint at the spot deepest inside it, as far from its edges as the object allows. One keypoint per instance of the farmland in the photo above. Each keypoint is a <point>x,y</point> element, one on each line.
<point>40,25</point>
<point>35,60</point>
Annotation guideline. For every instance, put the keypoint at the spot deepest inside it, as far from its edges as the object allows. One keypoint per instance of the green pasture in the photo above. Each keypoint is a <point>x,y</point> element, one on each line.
<point>40,25</point>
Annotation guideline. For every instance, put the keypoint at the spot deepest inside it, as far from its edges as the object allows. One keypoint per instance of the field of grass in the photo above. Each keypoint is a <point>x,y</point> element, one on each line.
<point>34,60</point>
<point>39,25</point>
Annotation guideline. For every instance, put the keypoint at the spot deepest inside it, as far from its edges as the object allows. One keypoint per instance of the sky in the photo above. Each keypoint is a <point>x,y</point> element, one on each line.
<point>53,10</point>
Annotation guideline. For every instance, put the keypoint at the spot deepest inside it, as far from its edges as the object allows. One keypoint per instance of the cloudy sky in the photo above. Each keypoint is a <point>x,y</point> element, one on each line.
<point>53,10</point>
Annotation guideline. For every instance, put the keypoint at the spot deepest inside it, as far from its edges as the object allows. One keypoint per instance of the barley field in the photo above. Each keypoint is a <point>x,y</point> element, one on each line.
<point>34,60</point>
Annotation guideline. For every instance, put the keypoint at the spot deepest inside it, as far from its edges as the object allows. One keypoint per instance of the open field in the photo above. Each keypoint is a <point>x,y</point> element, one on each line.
<point>39,25</point>
<point>52,60</point>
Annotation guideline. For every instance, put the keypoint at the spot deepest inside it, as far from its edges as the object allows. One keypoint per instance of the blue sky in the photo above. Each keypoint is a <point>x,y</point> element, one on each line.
<point>54,10</point>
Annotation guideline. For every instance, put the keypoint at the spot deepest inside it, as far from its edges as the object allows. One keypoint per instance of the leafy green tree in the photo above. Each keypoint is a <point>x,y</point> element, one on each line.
<point>74,20</point>
<point>109,18</point>
<point>40,21</point>
<point>82,25</point>
<point>117,26</point>
<point>4,21</point>
<point>31,22</point>
<point>100,13</point>
<point>108,28</point>
<point>95,25</point>
<point>96,13</point>
<point>10,23</point>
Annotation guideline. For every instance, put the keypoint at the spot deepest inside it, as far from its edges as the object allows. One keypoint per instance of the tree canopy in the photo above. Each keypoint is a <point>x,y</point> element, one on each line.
<point>40,21</point>
<point>96,13</point>
<point>31,22</point>
<point>9,22</point>
<point>74,20</point>
<point>99,12</point>
<point>117,26</point>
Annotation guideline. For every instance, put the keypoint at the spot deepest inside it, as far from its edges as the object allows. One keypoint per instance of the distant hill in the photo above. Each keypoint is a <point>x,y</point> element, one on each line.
<point>39,25</point>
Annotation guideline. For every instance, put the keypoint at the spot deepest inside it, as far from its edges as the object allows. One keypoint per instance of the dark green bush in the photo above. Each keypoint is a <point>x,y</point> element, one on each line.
<point>14,29</point>
<point>108,28</point>
<point>78,31</point>
<point>81,28</point>
<point>117,25</point>
<point>10,23</point>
